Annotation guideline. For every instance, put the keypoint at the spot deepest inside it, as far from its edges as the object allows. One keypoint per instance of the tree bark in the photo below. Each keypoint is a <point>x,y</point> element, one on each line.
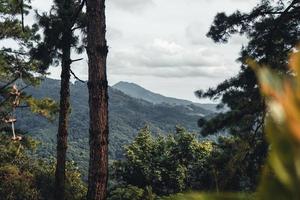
<point>62,134</point>
<point>98,100</point>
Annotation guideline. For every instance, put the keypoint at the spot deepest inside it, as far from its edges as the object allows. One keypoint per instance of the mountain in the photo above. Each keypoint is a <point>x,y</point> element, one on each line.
<point>126,114</point>
<point>139,92</point>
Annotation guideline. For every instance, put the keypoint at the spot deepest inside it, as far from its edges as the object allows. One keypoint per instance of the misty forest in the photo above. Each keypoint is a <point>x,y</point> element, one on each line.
<point>65,136</point>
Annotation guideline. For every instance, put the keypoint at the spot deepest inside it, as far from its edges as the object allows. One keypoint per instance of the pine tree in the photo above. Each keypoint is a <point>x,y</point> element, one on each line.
<point>14,61</point>
<point>272,28</point>
<point>17,63</point>
<point>60,38</point>
<point>98,100</point>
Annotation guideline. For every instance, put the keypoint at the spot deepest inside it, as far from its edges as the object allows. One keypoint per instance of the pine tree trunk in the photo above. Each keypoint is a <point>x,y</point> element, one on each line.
<point>98,100</point>
<point>62,135</point>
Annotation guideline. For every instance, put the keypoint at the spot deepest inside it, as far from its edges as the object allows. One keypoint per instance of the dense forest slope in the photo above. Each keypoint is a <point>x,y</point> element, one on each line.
<point>136,91</point>
<point>127,116</point>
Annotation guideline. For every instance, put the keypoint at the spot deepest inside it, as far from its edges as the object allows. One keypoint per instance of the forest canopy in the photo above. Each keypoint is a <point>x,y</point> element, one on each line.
<point>247,150</point>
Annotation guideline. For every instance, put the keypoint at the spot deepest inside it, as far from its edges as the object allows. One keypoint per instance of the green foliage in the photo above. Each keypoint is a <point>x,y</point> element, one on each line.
<point>198,196</point>
<point>17,60</point>
<point>167,164</point>
<point>17,64</point>
<point>59,26</point>
<point>27,178</point>
<point>271,28</point>
<point>235,164</point>
<point>11,26</point>
<point>46,107</point>
<point>270,41</point>
<point>16,184</point>
<point>127,116</point>
<point>281,179</point>
<point>45,174</point>
<point>127,192</point>
<point>180,162</point>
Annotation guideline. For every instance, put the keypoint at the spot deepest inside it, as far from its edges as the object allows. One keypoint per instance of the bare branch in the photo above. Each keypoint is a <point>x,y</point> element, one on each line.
<point>76,60</point>
<point>76,77</point>
<point>77,27</point>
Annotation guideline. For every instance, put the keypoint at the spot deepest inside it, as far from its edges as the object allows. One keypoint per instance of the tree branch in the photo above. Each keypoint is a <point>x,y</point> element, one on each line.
<point>76,60</point>
<point>14,52</point>
<point>22,14</point>
<point>289,7</point>
<point>9,83</point>
<point>277,12</point>
<point>77,27</point>
<point>7,98</point>
<point>76,77</point>
<point>25,106</point>
<point>259,126</point>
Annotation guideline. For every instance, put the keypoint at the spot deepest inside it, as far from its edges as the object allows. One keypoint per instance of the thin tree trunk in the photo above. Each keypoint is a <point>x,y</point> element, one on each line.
<point>98,100</point>
<point>62,135</point>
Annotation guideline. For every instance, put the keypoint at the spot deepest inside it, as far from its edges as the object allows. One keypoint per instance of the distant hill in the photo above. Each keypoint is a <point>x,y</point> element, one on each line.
<point>126,116</point>
<point>139,92</point>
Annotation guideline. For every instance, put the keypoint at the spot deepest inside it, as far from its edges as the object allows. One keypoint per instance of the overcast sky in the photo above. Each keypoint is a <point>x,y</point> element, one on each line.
<point>161,45</point>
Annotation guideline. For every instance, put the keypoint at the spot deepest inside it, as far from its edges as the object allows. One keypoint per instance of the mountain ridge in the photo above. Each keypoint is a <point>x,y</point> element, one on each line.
<point>127,115</point>
<point>139,92</point>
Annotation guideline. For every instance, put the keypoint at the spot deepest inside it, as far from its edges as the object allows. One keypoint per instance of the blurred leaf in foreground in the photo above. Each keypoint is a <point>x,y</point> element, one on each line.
<point>281,178</point>
<point>199,196</point>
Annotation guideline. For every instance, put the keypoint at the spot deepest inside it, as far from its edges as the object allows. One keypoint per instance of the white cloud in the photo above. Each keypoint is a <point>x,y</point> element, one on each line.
<point>163,46</point>
<point>166,47</point>
<point>195,34</point>
<point>113,33</point>
<point>131,5</point>
<point>163,58</point>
